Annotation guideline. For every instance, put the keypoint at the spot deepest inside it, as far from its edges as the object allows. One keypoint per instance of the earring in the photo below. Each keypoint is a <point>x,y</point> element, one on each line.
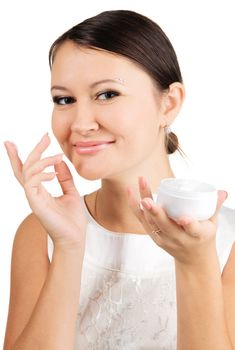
<point>167,130</point>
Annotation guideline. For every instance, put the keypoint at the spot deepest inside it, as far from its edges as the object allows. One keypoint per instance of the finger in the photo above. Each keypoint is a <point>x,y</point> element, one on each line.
<point>40,165</point>
<point>37,179</point>
<point>190,225</point>
<point>150,218</point>
<point>159,216</point>
<point>222,196</point>
<point>65,178</point>
<point>156,237</point>
<point>15,160</point>
<point>144,188</point>
<point>37,151</point>
<point>163,228</point>
<point>33,187</point>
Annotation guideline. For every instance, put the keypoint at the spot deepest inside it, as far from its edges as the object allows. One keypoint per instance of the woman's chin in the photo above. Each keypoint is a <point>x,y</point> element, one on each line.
<point>90,177</point>
<point>90,174</point>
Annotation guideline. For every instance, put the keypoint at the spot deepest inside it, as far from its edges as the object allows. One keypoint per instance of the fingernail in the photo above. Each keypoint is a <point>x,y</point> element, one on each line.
<point>146,204</point>
<point>184,221</point>
<point>141,207</point>
<point>46,134</point>
<point>6,142</point>
<point>11,143</point>
<point>58,158</point>
<point>142,182</point>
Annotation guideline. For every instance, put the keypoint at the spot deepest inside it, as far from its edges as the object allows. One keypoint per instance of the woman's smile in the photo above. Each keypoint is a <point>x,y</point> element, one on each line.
<point>91,146</point>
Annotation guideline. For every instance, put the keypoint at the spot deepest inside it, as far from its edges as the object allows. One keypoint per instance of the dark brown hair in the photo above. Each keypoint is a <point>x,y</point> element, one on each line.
<point>136,37</point>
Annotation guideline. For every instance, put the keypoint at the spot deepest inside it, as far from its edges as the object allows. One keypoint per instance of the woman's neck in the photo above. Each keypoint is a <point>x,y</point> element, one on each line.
<point>110,208</point>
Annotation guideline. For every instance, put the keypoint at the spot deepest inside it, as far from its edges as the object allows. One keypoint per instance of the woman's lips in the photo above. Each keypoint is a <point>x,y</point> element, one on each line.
<point>91,146</point>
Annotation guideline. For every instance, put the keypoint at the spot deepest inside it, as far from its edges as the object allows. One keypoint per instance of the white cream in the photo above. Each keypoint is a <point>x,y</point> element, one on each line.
<point>180,197</point>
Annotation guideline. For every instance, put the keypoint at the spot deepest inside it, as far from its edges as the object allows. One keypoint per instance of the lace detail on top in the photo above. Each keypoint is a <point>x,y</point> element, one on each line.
<point>128,297</point>
<point>127,294</point>
<point>122,312</point>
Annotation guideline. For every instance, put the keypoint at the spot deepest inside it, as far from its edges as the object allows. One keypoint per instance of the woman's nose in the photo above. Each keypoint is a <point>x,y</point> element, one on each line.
<point>84,120</point>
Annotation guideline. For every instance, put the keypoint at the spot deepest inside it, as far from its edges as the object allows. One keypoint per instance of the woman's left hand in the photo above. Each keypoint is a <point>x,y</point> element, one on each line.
<point>187,240</point>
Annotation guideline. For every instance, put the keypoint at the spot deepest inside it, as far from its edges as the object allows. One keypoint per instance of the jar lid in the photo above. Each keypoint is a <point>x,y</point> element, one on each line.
<point>187,188</point>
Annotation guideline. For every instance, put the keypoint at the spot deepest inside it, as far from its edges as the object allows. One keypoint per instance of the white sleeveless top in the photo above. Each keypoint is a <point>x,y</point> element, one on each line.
<point>128,296</point>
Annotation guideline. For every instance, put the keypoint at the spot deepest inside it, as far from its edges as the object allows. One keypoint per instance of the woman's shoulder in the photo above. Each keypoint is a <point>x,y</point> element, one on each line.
<point>31,220</point>
<point>31,223</point>
<point>29,268</point>
<point>29,251</point>
<point>30,235</point>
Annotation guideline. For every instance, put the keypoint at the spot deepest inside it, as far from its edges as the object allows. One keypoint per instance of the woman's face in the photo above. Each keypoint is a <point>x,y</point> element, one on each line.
<point>100,97</point>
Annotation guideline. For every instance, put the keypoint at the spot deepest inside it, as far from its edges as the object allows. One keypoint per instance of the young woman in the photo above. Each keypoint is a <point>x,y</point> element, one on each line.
<point>118,276</point>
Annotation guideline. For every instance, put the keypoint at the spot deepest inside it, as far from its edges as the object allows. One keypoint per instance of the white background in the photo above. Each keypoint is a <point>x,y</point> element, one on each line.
<point>202,34</point>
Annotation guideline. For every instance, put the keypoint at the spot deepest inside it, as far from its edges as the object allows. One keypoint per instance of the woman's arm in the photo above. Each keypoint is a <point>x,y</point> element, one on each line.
<point>44,298</point>
<point>228,280</point>
<point>200,305</point>
<point>51,320</point>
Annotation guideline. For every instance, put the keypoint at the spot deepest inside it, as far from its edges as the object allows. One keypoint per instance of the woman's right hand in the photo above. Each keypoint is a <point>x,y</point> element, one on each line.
<point>63,217</point>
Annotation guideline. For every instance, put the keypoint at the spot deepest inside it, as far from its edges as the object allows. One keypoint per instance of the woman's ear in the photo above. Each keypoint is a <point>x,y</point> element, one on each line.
<point>172,102</point>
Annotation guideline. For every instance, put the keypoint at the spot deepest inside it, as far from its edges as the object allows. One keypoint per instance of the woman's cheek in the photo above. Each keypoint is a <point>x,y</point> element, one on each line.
<point>60,128</point>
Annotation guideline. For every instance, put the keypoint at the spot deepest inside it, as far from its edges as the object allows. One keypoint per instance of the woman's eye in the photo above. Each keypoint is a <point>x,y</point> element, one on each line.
<point>63,100</point>
<point>107,95</point>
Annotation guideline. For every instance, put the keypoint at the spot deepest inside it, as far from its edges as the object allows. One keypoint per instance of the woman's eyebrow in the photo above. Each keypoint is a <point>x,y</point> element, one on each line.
<point>117,81</point>
<point>58,87</point>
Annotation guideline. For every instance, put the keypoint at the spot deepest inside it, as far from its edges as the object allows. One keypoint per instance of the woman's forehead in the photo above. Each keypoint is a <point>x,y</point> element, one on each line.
<point>94,64</point>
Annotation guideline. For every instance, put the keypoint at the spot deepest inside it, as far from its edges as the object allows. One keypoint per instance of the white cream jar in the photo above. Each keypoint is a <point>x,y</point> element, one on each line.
<point>180,197</point>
